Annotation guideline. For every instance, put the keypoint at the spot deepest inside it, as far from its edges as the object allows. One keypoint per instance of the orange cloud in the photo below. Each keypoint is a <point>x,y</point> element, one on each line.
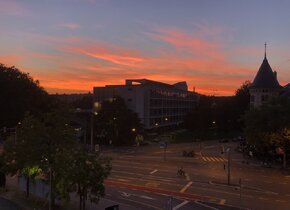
<point>81,63</point>
<point>114,58</point>
<point>10,60</point>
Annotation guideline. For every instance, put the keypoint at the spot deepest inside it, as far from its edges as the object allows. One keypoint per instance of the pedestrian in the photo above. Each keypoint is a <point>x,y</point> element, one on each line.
<point>250,154</point>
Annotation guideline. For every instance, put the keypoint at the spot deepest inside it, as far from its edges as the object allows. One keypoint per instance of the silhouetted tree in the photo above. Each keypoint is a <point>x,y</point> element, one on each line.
<point>19,94</point>
<point>85,102</point>
<point>266,126</point>
<point>48,144</point>
<point>117,121</point>
<point>242,97</point>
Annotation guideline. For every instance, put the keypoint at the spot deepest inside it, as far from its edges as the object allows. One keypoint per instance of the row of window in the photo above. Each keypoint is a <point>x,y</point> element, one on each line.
<point>169,111</point>
<point>263,98</point>
<point>171,103</point>
<point>171,94</point>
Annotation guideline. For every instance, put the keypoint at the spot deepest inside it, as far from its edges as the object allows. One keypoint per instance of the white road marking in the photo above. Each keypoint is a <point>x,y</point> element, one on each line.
<point>144,204</point>
<point>125,194</point>
<point>263,198</point>
<point>123,180</point>
<point>281,201</point>
<point>147,197</point>
<point>180,205</point>
<point>185,187</point>
<point>269,192</point>
<point>187,177</point>
<point>207,206</point>
<point>152,172</point>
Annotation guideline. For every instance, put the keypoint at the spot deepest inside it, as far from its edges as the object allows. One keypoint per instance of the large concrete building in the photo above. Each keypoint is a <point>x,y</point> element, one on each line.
<point>265,85</point>
<point>157,104</point>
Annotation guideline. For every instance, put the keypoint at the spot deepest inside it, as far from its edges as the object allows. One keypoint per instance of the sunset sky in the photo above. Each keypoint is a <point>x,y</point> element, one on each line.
<point>213,45</point>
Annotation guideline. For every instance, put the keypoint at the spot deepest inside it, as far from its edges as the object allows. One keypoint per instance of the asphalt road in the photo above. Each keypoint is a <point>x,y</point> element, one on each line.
<point>142,179</point>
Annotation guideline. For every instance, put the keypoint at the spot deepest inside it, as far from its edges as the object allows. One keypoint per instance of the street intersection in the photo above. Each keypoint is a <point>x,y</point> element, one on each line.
<point>144,178</point>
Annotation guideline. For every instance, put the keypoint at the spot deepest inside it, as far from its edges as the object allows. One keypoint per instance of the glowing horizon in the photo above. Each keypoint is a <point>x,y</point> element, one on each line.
<point>72,46</point>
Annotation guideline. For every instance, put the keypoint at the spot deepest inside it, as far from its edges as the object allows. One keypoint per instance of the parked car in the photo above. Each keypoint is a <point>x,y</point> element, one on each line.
<point>188,153</point>
<point>224,140</point>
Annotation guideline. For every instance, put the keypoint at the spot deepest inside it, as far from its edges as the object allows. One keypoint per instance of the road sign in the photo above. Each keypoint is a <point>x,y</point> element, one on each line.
<point>97,148</point>
<point>163,144</point>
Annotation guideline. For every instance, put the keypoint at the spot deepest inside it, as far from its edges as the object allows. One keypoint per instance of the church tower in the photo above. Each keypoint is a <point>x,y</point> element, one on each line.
<point>265,85</point>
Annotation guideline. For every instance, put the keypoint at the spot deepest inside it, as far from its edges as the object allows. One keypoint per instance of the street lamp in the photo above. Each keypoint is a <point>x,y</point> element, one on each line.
<point>96,107</point>
<point>229,165</point>
<point>15,137</point>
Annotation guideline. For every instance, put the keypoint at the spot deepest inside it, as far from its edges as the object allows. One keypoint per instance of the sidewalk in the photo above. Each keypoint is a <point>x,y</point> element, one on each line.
<point>8,205</point>
<point>19,202</point>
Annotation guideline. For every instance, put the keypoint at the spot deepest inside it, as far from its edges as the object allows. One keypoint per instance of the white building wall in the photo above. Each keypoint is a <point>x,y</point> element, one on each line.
<point>156,105</point>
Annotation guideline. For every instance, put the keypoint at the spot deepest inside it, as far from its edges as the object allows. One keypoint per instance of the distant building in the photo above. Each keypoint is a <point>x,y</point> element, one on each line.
<point>69,98</point>
<point>157,104</point>
<point>265,85</point>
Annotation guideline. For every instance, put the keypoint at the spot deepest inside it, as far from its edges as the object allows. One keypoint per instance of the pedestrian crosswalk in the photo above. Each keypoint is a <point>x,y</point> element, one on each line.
<point>213,159</point>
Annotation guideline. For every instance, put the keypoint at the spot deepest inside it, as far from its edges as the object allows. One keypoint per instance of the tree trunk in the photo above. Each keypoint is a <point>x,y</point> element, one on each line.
<point>27,187</point>
<point>84,203</point>
<point>52,194</point>
<point>81,197</point>
<point>81,200</point>
<point>84,199</point>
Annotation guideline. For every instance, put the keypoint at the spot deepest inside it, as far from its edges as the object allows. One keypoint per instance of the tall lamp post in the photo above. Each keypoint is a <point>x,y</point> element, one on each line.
<point>94,112</point>
<point>229,165</point>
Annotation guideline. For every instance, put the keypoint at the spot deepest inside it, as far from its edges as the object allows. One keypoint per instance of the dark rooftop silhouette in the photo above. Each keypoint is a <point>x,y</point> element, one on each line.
<point>265,77</point>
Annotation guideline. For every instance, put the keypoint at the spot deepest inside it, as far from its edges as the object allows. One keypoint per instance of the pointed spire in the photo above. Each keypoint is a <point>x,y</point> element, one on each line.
<point>265,50</point>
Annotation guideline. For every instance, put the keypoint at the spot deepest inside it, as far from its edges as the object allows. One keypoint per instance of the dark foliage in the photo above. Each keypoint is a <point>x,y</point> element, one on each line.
<point>220,115</point>
<point>19,94</point>
<point>85,102</point>
<point>116,122</point>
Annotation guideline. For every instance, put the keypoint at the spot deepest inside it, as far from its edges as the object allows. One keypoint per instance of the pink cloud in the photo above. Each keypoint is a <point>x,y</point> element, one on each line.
<point>185,42</point>
<point>71,26</point>
<point>114,58</point>
<point>11,7</point>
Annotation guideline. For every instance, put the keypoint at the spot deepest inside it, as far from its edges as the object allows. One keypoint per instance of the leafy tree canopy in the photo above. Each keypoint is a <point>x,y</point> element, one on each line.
<point>49,145</point>
<point>242,97</point>
<point>19,94</point>
<point>117,122</point>
<point>266,125</point>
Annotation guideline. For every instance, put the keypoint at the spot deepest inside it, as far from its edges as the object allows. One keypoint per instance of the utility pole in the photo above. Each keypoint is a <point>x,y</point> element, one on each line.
<point>92,131</point>
<point>229,165</point>
<point>165,146</point>
<point>240,182</point>
<point>50,189</point>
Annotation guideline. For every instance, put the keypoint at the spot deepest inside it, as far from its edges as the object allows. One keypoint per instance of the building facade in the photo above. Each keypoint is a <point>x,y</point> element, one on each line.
<point>157,104</point>
<point>265,85</point>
